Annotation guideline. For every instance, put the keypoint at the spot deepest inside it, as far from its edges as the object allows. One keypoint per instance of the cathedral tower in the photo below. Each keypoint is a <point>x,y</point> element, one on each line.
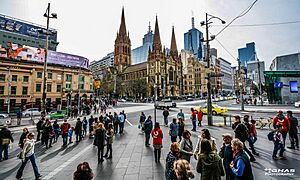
<point>122,51</point>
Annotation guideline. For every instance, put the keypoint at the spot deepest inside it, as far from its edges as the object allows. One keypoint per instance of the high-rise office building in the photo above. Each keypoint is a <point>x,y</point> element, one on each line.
<point>247,54</point>
<point>192,41</point>
<point>227,82</point>
<point>140,54</point>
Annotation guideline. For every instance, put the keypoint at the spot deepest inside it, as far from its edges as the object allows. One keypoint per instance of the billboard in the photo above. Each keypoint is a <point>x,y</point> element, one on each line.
<point>28,53</point>
<point>24,52</point>
<point>16,26</point>
<point>65,59</point>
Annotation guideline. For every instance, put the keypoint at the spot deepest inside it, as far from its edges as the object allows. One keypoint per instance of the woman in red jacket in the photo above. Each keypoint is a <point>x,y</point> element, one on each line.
<point>157,136</point>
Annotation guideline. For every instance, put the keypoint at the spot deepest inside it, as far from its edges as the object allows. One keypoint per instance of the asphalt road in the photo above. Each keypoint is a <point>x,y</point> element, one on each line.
<point>131,160</point>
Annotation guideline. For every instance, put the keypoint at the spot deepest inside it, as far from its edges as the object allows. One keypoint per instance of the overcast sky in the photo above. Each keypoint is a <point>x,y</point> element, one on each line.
<point>88,28</point>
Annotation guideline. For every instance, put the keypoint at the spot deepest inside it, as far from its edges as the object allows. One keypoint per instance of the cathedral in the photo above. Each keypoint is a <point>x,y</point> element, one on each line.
<point>162,73</point>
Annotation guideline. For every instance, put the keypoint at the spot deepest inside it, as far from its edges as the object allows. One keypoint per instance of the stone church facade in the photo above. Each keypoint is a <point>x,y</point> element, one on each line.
<point>161,73</point>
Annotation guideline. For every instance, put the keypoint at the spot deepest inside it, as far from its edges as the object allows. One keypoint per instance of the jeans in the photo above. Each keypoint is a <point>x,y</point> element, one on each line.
<point>78,137</point>
<point>121,125</point>
<point>84,131</point>
<point>174,139</point>
<point>5,149</point>
<point>100,153</point>
<point>253,139</point>
<point>280,147</point>
<point>166,120</point>
<point>157,153</point>
<point>109,149</point>
<point>147,138</point>
<point>284,138</point>
<point>194,124</point>
<point>65,139</point>
<point>294,139</point>
<point>24,162</point>
<point>116,125</point>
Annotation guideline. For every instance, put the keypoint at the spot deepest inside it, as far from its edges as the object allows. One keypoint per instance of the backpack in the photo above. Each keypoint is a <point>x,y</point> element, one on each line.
<point>271,136</point>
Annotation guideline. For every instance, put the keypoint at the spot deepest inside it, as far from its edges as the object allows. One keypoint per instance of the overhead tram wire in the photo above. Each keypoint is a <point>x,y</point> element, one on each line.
<point>234,58</point>
<point>239,16</point>
<point>263,24</point>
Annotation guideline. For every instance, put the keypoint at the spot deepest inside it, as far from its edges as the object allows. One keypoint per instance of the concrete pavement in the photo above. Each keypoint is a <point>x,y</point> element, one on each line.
<point>131,159</point>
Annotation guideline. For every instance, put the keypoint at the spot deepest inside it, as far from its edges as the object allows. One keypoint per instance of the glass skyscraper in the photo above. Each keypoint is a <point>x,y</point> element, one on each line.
<point>192,41</point>
<point>247,54</point>
<point>140,54</point>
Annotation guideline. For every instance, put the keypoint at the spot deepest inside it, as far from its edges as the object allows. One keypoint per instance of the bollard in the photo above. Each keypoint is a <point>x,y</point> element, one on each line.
<point>230,120</point>
<point>224,120</point>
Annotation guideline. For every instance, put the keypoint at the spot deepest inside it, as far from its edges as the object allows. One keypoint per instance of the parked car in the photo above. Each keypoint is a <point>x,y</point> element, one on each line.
<point>31,111</point>
<point>216,109</point>
<point>297,104</point>
<point>189,99</point>
<point>56,115</point>
<point>3,115</point>
<point>4,119</point>
<point>122,100</point>
<point>165,103</point>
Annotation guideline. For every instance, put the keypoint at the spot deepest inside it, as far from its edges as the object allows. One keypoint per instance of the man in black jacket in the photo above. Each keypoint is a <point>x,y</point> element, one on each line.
<point>293,132</point>
<point>241,133</point>
<point>5,138</point>
<point>166,114</point>
<point>78,129</point>
<point>39,129</point>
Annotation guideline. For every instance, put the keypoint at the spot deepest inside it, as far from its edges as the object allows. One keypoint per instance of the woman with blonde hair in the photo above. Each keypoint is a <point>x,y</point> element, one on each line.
<point>99,141</point>
<point>172,156</point>
<point>183,170</point>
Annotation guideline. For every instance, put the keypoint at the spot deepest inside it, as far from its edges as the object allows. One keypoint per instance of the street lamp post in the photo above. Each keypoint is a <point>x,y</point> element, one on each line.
<point>47,15</point>
<point>8,93</point>
<point>155,96</point>
<point>209,17</point>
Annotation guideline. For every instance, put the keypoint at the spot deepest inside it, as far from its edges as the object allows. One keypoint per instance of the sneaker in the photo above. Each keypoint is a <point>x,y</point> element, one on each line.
<point>282,158</point>
<point>275,158</point>
<point>255,153</point>
<point>109,157</point>
<point>21,178</point>
<point>39,177</point>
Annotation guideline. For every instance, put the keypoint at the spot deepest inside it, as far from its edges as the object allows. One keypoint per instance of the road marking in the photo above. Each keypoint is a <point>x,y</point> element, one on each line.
<point>125,119</point>
<point>65,164</point>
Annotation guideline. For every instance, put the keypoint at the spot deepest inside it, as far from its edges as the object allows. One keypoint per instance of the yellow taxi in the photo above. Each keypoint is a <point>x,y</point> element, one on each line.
<point>216,109</point>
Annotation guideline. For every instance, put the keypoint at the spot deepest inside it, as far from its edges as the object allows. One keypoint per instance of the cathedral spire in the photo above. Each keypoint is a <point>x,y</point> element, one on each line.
<point>156,38</point>
<point>122,30</point>
<point>173,49</point>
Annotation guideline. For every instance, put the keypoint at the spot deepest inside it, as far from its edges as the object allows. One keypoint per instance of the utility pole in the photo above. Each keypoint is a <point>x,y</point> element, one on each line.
<point>209,109</point>
<point>8,94</point>
<point>45,62</point>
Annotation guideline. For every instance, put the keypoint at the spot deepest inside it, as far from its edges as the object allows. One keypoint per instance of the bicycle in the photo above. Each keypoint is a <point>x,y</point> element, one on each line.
<point>261,123</point>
